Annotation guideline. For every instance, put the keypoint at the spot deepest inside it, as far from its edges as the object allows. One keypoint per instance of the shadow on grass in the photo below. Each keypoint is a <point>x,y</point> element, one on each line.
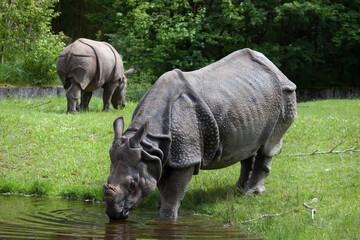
<point>197,199</point>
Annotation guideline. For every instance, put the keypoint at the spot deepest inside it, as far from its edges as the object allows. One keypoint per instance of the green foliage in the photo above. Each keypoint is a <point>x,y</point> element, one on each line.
<point>84,18</point>
<point>157,36</point>
<point>13,73</point>
<point>318,51</point>
<point>26,41</point>
<point>135,91</point>
<point>315,43</point>
<point>40,59</point>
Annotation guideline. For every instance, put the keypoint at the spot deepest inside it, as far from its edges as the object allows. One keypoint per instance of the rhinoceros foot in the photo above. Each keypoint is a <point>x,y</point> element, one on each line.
<point>108,109</point>
<point>74,112</point>
<point>242,183</point>
<point>256,190</point>
<point>168,214</point>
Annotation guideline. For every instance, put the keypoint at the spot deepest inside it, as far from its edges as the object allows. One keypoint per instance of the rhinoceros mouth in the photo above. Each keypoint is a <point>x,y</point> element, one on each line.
<point>113,215</point>
<point>116,213</point>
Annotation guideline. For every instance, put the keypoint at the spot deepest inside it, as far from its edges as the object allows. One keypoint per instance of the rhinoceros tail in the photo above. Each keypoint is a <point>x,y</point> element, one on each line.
<point>62,68</point>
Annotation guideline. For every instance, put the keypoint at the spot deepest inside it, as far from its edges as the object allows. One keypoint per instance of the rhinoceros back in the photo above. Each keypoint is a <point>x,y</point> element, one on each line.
<point>244,93</point>
<point>77,61</point>
<point>90,63</point>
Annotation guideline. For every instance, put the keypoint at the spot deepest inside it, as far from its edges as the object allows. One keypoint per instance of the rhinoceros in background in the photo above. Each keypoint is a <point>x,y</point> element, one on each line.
<point>236,109</point>
<point>86,65</point>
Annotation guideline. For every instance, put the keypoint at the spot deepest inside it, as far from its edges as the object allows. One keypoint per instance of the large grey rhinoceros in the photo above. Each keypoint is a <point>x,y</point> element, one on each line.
<point>236,109</point>
<point>86,65</point>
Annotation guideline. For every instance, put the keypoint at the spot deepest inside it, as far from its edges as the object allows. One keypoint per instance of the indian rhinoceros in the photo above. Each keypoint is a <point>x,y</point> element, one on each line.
<point>236,109</point>
<point>86,65</point>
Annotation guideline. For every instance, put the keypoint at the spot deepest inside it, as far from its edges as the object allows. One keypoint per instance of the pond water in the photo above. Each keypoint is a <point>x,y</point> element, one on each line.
<point>24,217</point>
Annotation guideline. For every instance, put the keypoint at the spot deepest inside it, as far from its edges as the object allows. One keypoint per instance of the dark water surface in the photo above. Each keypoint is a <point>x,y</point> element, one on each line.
<point>24,217</point>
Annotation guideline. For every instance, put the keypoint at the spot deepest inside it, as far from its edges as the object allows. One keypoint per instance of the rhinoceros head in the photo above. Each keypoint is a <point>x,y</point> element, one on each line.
<point>133,172</point>
<point>119,95</point>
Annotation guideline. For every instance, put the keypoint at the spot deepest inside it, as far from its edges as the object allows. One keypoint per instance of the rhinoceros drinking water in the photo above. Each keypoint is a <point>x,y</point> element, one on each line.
<point>86,65</point>
<point>236,109</point>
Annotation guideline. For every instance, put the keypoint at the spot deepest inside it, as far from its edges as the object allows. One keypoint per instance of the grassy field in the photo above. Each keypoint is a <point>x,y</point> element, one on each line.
<point>45,151</point>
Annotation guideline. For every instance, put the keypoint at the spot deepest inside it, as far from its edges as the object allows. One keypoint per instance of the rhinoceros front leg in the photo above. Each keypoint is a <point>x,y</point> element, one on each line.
<point>85,100</point>
<point>172,187</point>
<point>109,90</point>
<point>261,170</point>
<point>245,172</point>
<point>73,93</point>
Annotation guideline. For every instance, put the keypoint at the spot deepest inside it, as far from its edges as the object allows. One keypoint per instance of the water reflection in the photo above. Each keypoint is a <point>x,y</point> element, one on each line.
<point>48,218</point>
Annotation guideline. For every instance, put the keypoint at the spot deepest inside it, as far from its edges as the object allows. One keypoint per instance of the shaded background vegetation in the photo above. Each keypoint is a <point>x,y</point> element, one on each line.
<point>315,43</point>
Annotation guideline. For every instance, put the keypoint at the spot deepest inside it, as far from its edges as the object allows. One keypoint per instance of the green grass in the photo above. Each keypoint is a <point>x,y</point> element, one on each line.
<point>45,151</point>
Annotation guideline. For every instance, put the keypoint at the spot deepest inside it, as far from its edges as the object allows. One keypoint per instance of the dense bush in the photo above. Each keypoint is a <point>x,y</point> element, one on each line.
<point>135,91</point>
<point>28,49</point>
<point>315,43</point>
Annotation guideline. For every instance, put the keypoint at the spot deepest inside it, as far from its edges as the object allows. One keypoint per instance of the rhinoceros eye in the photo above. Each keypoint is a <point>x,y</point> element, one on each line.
<point>132,185</point>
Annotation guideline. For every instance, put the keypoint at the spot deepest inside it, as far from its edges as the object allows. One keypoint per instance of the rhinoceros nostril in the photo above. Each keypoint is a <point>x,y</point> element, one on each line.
<point>109,191</point>
<point>109,187</point>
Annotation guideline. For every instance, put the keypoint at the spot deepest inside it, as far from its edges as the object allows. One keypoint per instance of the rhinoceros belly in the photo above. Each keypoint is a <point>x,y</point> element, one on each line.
<point>230,157</point>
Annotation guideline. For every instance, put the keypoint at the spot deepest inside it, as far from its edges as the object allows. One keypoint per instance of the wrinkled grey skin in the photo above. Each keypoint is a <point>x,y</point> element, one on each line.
<point>237,109</point>
<point>86,65</point>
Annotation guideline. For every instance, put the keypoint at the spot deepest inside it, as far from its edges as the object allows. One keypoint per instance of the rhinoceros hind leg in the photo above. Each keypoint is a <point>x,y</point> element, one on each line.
<point>73,93</point>
<point>172,188</point>
<point>261,170</point>
<point>85,100</point>
<point>245,172</point>
<point>107,108</point>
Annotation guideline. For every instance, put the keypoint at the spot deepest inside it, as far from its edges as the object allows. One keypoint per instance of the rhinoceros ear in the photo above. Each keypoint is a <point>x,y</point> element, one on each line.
<point>153,164</point>
<point>118,127</point>
<point>130,71</point>
<point>139,135</point>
